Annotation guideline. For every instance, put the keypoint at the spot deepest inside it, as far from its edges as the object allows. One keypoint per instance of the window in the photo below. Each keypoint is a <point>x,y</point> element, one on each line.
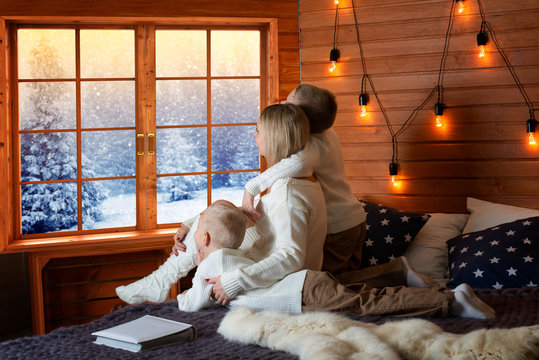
<point>132,127</point>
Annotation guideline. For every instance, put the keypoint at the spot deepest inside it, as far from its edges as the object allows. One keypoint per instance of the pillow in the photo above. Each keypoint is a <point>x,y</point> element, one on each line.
<point>428,252</point>
<point>389,233</point>
<point>504,256</point>
<point>484,214</point>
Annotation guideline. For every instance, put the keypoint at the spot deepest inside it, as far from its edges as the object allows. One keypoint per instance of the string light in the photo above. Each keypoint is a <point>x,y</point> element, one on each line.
<point>461,7</point>
<point>439,112</point>
<point>334,54</point>
<point>393,172</point>
<point>363,98</point>
<point>530,128</point>
<point>482,40</point>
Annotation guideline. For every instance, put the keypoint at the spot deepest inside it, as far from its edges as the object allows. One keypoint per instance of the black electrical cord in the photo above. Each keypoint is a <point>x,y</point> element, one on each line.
<point>486,24</point>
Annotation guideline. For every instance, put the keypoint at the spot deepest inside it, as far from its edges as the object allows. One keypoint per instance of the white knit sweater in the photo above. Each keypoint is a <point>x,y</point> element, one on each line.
<point>292,234</point>
<point>323,155</point>
<point>285,295</point>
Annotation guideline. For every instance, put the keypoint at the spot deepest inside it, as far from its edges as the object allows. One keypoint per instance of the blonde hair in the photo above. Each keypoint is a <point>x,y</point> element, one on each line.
<point>286,131</point>
<point>225,223</point>
<point>320,106</point>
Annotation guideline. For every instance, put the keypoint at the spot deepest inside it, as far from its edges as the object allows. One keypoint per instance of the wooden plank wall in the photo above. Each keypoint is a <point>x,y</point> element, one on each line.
<point>77,290</point>
<point>285,11</point>
<point>482,151</point>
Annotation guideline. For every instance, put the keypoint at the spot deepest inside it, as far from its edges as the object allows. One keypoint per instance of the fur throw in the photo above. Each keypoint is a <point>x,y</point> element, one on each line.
<point>323,335</point>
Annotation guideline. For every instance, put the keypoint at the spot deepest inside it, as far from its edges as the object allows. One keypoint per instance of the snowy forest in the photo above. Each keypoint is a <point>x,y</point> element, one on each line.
<point>48,144</point>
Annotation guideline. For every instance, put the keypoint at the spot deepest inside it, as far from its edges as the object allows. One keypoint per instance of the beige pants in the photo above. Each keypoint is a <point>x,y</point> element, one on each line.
<point>323,292</point>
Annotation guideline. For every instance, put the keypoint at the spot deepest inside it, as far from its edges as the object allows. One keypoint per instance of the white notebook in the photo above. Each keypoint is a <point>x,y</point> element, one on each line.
<point>146,332</point>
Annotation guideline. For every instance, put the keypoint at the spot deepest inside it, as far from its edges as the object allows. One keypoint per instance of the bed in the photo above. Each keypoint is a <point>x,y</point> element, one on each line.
<point>515,298</point>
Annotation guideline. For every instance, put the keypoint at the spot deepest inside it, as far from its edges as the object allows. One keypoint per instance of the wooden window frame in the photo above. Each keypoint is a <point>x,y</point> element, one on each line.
<point>144,237</point>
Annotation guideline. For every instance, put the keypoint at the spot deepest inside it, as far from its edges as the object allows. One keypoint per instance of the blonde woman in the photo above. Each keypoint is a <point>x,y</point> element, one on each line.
<point>293,226</point>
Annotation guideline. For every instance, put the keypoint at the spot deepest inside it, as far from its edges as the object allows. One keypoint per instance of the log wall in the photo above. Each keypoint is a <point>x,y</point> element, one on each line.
<point>482,150</point>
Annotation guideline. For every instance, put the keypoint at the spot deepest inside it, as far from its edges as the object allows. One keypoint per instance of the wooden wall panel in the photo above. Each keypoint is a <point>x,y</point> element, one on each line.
<point>80,289</point>
<point>482,150</point>
<point>285,11</point>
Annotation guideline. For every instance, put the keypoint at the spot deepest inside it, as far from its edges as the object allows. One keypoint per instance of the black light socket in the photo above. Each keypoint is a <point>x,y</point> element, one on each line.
<point>334,55</point>
<point>363,99</point>
<point>530,125</point>
<point>482,38</point>
<point>438,109</point>
<point>393,169</point>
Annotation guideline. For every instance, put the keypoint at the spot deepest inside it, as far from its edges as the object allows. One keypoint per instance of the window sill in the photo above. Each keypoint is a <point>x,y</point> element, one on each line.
<point>97,243</point>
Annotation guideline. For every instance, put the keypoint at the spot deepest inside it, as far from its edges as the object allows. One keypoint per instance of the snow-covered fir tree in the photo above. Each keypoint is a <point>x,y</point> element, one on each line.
<point>49,207</point>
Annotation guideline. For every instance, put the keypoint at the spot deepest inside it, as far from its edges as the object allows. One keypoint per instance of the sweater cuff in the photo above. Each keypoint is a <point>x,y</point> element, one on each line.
<point>230,284</point>
<point>253,187</point>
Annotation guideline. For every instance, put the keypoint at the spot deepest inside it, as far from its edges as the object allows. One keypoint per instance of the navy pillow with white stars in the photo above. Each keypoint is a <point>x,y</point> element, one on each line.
<point>389,233</point>
<point>504,256</point>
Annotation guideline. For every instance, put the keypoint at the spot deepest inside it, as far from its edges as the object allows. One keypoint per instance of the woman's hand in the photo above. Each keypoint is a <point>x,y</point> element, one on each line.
<point>217,291</point>
<point>247,205</point>
<point>178,240</point>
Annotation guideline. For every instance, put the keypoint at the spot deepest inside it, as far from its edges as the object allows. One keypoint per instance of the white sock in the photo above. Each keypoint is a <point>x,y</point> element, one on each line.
<point>462,306</point>
<point>156,286</point>
<point>477,302</point>
<point>413,279</point>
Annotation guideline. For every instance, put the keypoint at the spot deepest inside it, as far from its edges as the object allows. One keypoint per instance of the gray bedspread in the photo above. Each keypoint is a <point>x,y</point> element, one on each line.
<point>514,307</point>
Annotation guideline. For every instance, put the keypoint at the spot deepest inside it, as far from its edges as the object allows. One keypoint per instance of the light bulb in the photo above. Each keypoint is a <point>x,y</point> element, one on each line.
<point>334,55</point>
<point>394,181</point>
<point>439,122</point>
<point>363,101</point>
<point>439,112</point>
<point>531,139</point>
<point>461,7</point>
<point>363,111</point>
<point>337,2</point>
<point>482,40</point>
<point>481,51</point>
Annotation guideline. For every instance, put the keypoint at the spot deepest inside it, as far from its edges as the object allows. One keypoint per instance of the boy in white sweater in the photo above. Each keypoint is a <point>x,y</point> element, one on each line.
<point>220,231</point>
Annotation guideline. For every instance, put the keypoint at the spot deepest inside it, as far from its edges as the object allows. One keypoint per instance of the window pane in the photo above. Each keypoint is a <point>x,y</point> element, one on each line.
<point>233,148</point>
<point>48,207</point>
<point>108,104</point>
<point>108,153</point>
<point>180,53</point>
<point>47,105</point>
<point>230,186</point>
<point>181,150</point>
<point>107,53</point>
<point>108,204</point>
<point>235,101</point>
<point>46,54</point>
<point>235,53</point>
<point>181,102</point>
<point>50,156</point>
<point>180,197</point>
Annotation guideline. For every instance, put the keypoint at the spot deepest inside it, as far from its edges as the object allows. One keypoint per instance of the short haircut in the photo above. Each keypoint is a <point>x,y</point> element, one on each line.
<point>225,223</point>
<point>286,131</point>
<point>320,106</point>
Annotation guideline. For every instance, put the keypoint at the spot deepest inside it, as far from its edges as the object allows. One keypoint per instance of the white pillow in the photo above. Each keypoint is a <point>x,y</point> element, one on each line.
<point>484,214</point>
<point>428,253</point>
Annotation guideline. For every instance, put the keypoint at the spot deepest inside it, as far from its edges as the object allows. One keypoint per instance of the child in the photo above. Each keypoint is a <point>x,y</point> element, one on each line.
<point>218,236</point>
<point>345,216</point>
